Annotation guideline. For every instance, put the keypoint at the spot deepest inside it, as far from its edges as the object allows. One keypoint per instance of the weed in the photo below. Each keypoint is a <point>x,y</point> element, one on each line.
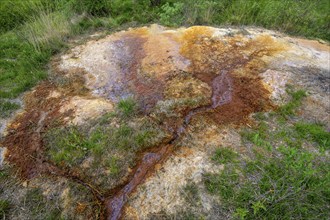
<point>3,175</point>
<point>72,145</point>
<point>142,139</point>
<point>241,213</point>
<point>260,116</point>
<point>16,13</point>
<point>222,184</point>
<point>106,118</point>
<point>258,136</point>
<point>39,206</point>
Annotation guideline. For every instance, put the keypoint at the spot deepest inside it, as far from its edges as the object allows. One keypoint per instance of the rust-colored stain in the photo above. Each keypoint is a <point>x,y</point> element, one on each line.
<point>24,140</point>
<point>229,65</point>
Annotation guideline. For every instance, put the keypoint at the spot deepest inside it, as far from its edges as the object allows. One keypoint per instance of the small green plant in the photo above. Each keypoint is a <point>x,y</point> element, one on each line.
<point>112,165</point>
<point>122,138</point>
<point>258,206</point>
<point>104,149</point>
<point>241,213</point>
<point>224,155</point>
<point>3,175</point>
<point>223,184</point>
<point>39,206</point>
<point>21,67</point>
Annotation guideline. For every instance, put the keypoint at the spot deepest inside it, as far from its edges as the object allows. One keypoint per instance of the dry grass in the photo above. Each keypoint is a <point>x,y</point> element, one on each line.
<point>47,30</point>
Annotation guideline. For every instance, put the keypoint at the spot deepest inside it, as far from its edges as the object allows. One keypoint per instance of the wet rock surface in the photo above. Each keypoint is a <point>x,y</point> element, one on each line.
<point>193,86</point>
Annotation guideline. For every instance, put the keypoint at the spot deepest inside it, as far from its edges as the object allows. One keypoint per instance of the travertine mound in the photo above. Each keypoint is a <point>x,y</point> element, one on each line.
<point>194,85</point>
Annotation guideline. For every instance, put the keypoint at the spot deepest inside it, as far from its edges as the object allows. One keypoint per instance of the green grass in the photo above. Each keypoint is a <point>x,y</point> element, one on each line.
<point>15,13</point>
<point>290,184</point>
<point>261,136</point>
<point>21,67</point>
<point>35,200</point>
<point>291,134</point>
<point>306,18</point>
<point>48,30</point>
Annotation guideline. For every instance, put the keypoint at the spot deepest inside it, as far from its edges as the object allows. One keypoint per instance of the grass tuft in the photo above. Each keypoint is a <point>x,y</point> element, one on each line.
<point>314,132</point>
<point>127,107</point>
<point>191,194</point>
<point>6,108</point>
<point>68,146</point>
<point>46,30</point>
<point>224,155</point>
<point>4,208</point>
<point>296,101</point>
